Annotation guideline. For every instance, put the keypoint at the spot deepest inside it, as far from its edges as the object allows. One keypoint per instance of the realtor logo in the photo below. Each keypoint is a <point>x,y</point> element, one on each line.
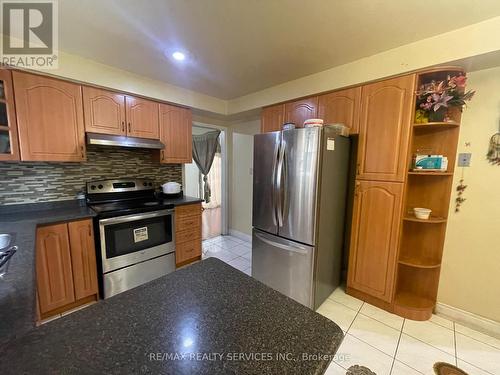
<point>29,34</point>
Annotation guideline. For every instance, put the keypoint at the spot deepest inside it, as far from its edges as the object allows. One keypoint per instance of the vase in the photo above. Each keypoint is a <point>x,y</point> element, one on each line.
<point>437,116</point>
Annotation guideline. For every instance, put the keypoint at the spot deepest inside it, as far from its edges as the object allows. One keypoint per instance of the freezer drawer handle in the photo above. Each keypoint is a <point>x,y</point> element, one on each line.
<point>296,249</point>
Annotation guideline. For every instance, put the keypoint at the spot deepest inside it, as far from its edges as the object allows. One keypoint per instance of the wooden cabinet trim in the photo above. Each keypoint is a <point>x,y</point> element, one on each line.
<point>6,77</point>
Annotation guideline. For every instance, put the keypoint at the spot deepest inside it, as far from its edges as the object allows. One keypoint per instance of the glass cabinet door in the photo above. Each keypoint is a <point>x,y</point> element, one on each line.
<point>9,149</point>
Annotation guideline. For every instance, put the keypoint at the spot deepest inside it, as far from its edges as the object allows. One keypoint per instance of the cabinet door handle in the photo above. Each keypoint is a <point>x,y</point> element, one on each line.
<point>356,189</point>
<point>162,155</point>
<point>129,127</point>
<point>90,231</point>
<point>123,126</point>
<point>82,152</point>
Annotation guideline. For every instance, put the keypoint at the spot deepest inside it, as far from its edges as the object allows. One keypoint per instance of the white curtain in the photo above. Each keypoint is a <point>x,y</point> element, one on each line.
<point>215,182</point>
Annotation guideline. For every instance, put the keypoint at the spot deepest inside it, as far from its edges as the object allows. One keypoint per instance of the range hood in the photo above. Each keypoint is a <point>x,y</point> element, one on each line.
<point>122,141</point>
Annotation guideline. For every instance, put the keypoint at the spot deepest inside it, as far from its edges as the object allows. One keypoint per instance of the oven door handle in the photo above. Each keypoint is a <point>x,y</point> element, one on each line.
<point>135,217</point>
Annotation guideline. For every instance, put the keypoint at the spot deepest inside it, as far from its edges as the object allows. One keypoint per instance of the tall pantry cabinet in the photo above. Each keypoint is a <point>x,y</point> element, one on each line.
<point>380,174</point>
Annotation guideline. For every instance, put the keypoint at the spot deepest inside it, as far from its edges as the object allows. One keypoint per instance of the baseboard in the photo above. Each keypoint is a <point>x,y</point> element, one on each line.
<point>240,235</point>
<point>468,319</point>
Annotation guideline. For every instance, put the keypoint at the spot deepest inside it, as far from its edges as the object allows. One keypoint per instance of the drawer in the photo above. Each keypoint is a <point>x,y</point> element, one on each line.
<point>188,235</point>
<point>187,250</point>
<point>188,222</point>
<point>188,210</point>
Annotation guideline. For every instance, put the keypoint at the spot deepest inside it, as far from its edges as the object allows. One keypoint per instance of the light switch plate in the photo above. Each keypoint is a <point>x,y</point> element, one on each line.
<point>464,159</point>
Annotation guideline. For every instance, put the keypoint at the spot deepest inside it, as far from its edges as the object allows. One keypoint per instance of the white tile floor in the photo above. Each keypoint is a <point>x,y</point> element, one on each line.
<point>230,249</point>
<point>389,344</point>
<point>384,342</point>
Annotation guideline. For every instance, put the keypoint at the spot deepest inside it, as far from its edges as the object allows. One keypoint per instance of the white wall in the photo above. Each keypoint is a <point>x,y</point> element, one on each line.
<point>470,278</point>
<point>241,194</point>
<point>241,180</point>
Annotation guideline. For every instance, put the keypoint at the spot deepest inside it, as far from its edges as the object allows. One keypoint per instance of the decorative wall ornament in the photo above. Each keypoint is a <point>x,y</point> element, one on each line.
<point>460,191</point>
<point>493,154</point>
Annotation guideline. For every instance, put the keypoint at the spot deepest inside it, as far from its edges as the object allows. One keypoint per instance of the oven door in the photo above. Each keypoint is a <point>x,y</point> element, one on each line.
<point>131,239</point>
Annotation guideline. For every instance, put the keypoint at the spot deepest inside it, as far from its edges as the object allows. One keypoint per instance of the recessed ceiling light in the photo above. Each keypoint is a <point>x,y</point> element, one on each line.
<point>178,55</point>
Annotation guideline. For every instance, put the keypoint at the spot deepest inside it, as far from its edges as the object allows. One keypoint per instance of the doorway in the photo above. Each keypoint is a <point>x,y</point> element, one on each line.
<point>213,215</point>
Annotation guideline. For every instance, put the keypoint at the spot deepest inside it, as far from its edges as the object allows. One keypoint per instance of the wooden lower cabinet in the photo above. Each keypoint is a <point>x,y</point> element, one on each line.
<point>83,259</point>
<point>66,270</point>
<point>374,238</point>
<point>54,273</point>
<point>187,234</point>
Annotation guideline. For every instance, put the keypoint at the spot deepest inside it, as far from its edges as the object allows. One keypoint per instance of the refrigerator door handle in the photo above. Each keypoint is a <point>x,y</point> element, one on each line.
<point>279,184</point>
<point>296,249</point>
<point>275,196</point>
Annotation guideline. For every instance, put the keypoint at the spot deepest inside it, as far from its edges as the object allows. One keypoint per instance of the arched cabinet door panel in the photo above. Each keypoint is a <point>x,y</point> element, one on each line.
<point>384,129</point>
<point>301,110</point>
<point>104,111</point>
<point>53,267</point>
<point>142,118</point>
<point>341,107</point>
<point>49,118</point>
<point>176,133</point>
<point>374,237</point>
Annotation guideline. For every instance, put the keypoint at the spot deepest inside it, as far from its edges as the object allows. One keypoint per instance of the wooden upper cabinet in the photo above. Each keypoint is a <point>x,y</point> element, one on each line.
<point>83,258</point>
<point>374,238</point>
<point>301,110</point>
<point>9,145</point>
<point>49,118</point>
<point>104,111</point>
<point>142,118</point>
<point>53,267</point>
<point>384,129</point>
<point>272,118</point>
<point>176,134</point>
<point>341,107</point>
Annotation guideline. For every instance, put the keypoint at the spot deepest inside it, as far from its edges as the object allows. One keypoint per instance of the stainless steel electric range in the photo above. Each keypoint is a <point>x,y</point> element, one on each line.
<point>136,233</point>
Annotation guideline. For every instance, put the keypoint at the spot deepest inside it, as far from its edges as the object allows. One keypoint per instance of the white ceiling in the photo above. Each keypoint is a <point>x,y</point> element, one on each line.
<point>241,46</point>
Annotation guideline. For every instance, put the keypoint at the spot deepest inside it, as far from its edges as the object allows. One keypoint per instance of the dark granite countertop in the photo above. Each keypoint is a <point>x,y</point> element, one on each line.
<point>182,200</point>
<point>44,213</point>
<point>202,319</point>
<point>17,287</point>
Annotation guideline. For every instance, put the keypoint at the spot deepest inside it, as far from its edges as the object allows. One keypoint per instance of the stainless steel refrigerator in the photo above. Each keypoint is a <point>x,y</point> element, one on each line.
<point>299,198</point>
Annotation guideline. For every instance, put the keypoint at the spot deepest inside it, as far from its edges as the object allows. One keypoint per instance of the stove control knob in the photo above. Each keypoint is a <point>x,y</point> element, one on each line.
<point>145,183</point>
<point>150,184</point>
<point>100,186</point>
<point>92,187</point>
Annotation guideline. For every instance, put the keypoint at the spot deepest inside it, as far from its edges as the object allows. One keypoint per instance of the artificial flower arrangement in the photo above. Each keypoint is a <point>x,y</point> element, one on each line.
<point>436,97</point>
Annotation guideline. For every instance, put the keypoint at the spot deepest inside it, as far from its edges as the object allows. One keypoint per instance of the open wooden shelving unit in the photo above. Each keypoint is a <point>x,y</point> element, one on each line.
<point>421,241</point>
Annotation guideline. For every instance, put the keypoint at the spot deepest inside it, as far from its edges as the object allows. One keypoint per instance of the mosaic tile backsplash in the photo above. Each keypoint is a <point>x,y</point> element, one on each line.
<point>45,182</point>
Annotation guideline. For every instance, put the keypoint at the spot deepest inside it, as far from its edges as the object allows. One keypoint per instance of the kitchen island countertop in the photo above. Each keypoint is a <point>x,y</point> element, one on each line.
<point>207,318</point>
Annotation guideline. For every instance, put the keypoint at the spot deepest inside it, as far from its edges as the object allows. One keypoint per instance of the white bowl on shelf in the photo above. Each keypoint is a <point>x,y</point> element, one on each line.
<point>422,213</point>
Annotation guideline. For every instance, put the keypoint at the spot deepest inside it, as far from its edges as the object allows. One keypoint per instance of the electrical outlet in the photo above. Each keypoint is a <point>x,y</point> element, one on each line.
<point>464,159</point>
